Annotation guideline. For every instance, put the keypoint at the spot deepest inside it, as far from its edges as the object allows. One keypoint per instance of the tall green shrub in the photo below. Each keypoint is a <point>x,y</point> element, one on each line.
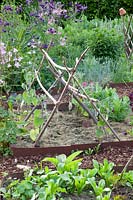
<point>106,44</point>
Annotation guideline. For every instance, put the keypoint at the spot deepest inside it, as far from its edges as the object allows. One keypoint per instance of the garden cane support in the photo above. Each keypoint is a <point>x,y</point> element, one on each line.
<point>76,95</point>
<point>56,70</point>
<point>85,95</point>
<point>60,98</point>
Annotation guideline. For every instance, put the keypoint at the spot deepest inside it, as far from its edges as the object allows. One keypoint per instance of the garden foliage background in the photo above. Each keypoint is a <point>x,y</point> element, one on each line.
<point>68,27</point>
<point>100,8</point>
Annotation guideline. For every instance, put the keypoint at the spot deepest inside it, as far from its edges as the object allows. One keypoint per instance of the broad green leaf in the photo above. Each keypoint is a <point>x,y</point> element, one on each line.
<point>99,132</point>
<point>34,101</point>
<point>61,158</point>
<point>101,183</point>
<point>54,161</point>
<point>37,113</point>
<point>38,121</point>
<point>95,164</point>
<point>34,133</point>
<point>72,156</point>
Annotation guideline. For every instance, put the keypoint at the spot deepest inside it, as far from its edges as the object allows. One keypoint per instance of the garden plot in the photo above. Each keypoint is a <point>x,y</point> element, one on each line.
<point>66,128</point>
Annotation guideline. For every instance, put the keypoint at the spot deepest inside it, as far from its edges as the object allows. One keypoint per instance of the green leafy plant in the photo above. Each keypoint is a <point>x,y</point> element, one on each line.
<point>91,151</point>
<point>109,103</point>
<point>120,109</point>
<point>105,170</point>
<point>44,183</point>
<point>8,131</point>
<point>63,163</point>
<point>107,45</point>
<point>100,189</point>
<point>127,179</point>
<point>80,183</point>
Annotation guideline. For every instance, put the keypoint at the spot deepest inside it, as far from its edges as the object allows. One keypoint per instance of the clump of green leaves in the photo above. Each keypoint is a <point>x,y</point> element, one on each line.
<point>8,131</point>
<point>67,178</point>
<point>63,163</point>
<point>107,44</point>
<point>109,103</point>
<point>93,150</point>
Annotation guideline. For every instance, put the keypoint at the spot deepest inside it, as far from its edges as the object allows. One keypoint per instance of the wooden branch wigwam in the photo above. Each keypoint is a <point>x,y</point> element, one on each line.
<point>58,72</point>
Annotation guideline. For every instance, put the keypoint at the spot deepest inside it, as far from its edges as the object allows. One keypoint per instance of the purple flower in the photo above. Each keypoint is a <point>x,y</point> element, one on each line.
<point>79,7</point>
<point>51,30</point>
<point>66,16</point>
<point>51,5</point>
<point>6,23</point>
<point>28,2</point>
<point>52,44</point>
<point>2,48</point>
<point>131,96</point>
<point>8,8</point>
<point>70,3</point>
<point>41,19</point>
<point>44,46</point>
<point>1,22</point>
<point>19,9</point>
<point>42,6</point>
<point>33,14</point>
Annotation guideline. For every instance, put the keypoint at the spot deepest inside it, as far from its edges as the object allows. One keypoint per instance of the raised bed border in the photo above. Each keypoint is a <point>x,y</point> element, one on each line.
<point>55,150</point>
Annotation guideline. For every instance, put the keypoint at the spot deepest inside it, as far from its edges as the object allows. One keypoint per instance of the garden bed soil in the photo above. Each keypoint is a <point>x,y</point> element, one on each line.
<point>117,152</point>
<point>123,88</point>
<point>124,193</point>
<point>68,128</point>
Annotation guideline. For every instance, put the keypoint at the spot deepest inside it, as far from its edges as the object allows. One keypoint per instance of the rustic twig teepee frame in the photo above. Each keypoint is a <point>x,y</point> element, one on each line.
<point>57,71</point>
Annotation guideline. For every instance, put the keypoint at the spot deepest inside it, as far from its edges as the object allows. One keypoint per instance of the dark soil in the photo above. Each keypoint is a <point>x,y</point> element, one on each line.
<point>124,193</point>
<point>123,88</point>
<point>119,156</point>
